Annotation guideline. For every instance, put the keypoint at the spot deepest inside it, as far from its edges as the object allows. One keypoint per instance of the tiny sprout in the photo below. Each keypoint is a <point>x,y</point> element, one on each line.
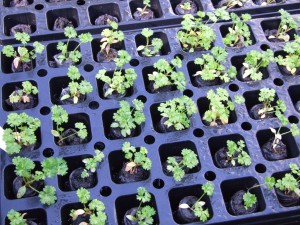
<point>91,164</point>
<point>153,48</point>
<point>23,95</point>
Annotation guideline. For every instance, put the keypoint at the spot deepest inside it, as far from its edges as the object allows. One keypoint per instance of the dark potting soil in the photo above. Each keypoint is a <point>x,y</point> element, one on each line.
<point>241,73</point>
<point>180,11</point>
<point>224,3</point>
<point>236,205</point>
<point>61,23</point>
<point>21,105</point>
<point>31,223</point>
<point>22,67</point>
<point>187,215</point>
<point>287,199</point>
<point>18,182</point>
<point>131,212</point>
<point>18,3</point>
<point>102,56</point>
<point>222,160</point>
<point>71,139</point>
<point>105,19</point>
<point>178,159</point>
<point>67,101</point>
<point>284,71</point>
<point>260,2</point>
<point>158,90</point>
<point>138,174</point>
<point>114,95</point>
<point>147,15</point>
<point>82,218</point>
<point>115,133</point>
<point>22,28</point>
<point>254,112</point>
<point>270,154</point>
<point>164,128</point>
<point>272,32</point>
<point>199,82</point>
<point>75,181</point>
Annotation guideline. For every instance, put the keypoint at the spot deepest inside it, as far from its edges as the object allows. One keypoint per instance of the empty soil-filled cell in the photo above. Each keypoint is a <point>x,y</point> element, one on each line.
<point>154,11</point>
<point>113,134</point>
<point>117,166</point>
<point>23,22</point>
<point>14,88</point>
<point>69,129</point>
<point>238,61</point>
<point>141,40</point>
<point>233,198</point>
<point>270,27</point>
<point>33,216</point>
<point>178,9</point>
<point>254,106</point>
<point>203,105</point>
<point>72,181</point>
<point>111,9</point>
<point>127,202</point>
<point>294,92</point>
<point>59,87</point>
<point>174,150</point>
<point>188,195</point>
<point>53,54</point>
<point>287,148</point>
<point>217,144</point>
<point>70,14</point>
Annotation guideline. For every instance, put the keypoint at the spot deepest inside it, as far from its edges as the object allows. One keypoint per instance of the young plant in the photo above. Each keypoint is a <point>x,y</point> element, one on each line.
<point>236,153</point>
<point>60,117</point>
<point>197,34</point>
<point>150,49</point>
<point>287,23</point>
<point>230,4</point>
<point>121,80</point>
<point>126,118</point>
<point>211,66</point>
<point>75,55</point>
<point>144,214</point>
<point>186,6</point>
<point>266,97</point>
<point>91,164</point>
<point>110,37</point>
<point>22,55</point>
<point>22,95</point>
<point>143,10</point>
<point>165,74</point>
<point>239,34</point>
<point>136,158</point>
<point>198,207</point>
<point>189,160</point>
<point>254,61</point>
<point>50,168</point>
<point>220,107</point>
<point>94,210</point>
<point>291,61</point>
<point>177,112</point>
<point>16,218</point>
<point>76,89</point>
<point>20,132</point>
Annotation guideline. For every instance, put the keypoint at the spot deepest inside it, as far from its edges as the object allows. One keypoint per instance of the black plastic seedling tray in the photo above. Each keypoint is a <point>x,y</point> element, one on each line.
<point>96,112</point>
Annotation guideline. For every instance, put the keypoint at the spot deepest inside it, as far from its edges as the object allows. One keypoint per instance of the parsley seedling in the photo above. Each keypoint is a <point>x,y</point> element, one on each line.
<point>126,118</point>
<point>220,106</point>
<point>16,218</point>
<point>292,60</point>
<point>186,6</point>
<point>50,167</point>
<point>235,152</point>
<point>22,55</point>
<point>150,49</point>
<point>165,74</point>
<point>239,34</point>
<point>22,95</point>
<point>143,10</point>
<point>211,66</point>
<point>21,132</point>
<point>189,160</point>
<point>256,60</point>
<point>120,80</point>
<point>91,164</point>
<point>197,34</point>
<point>178,111</point>
<point>76,89</point>
<point>198,207</point>
<point>59,117</point>
<point>94,209</point>
<point>230,4</point>
<point>75,55</point>
<point>144,215</point>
